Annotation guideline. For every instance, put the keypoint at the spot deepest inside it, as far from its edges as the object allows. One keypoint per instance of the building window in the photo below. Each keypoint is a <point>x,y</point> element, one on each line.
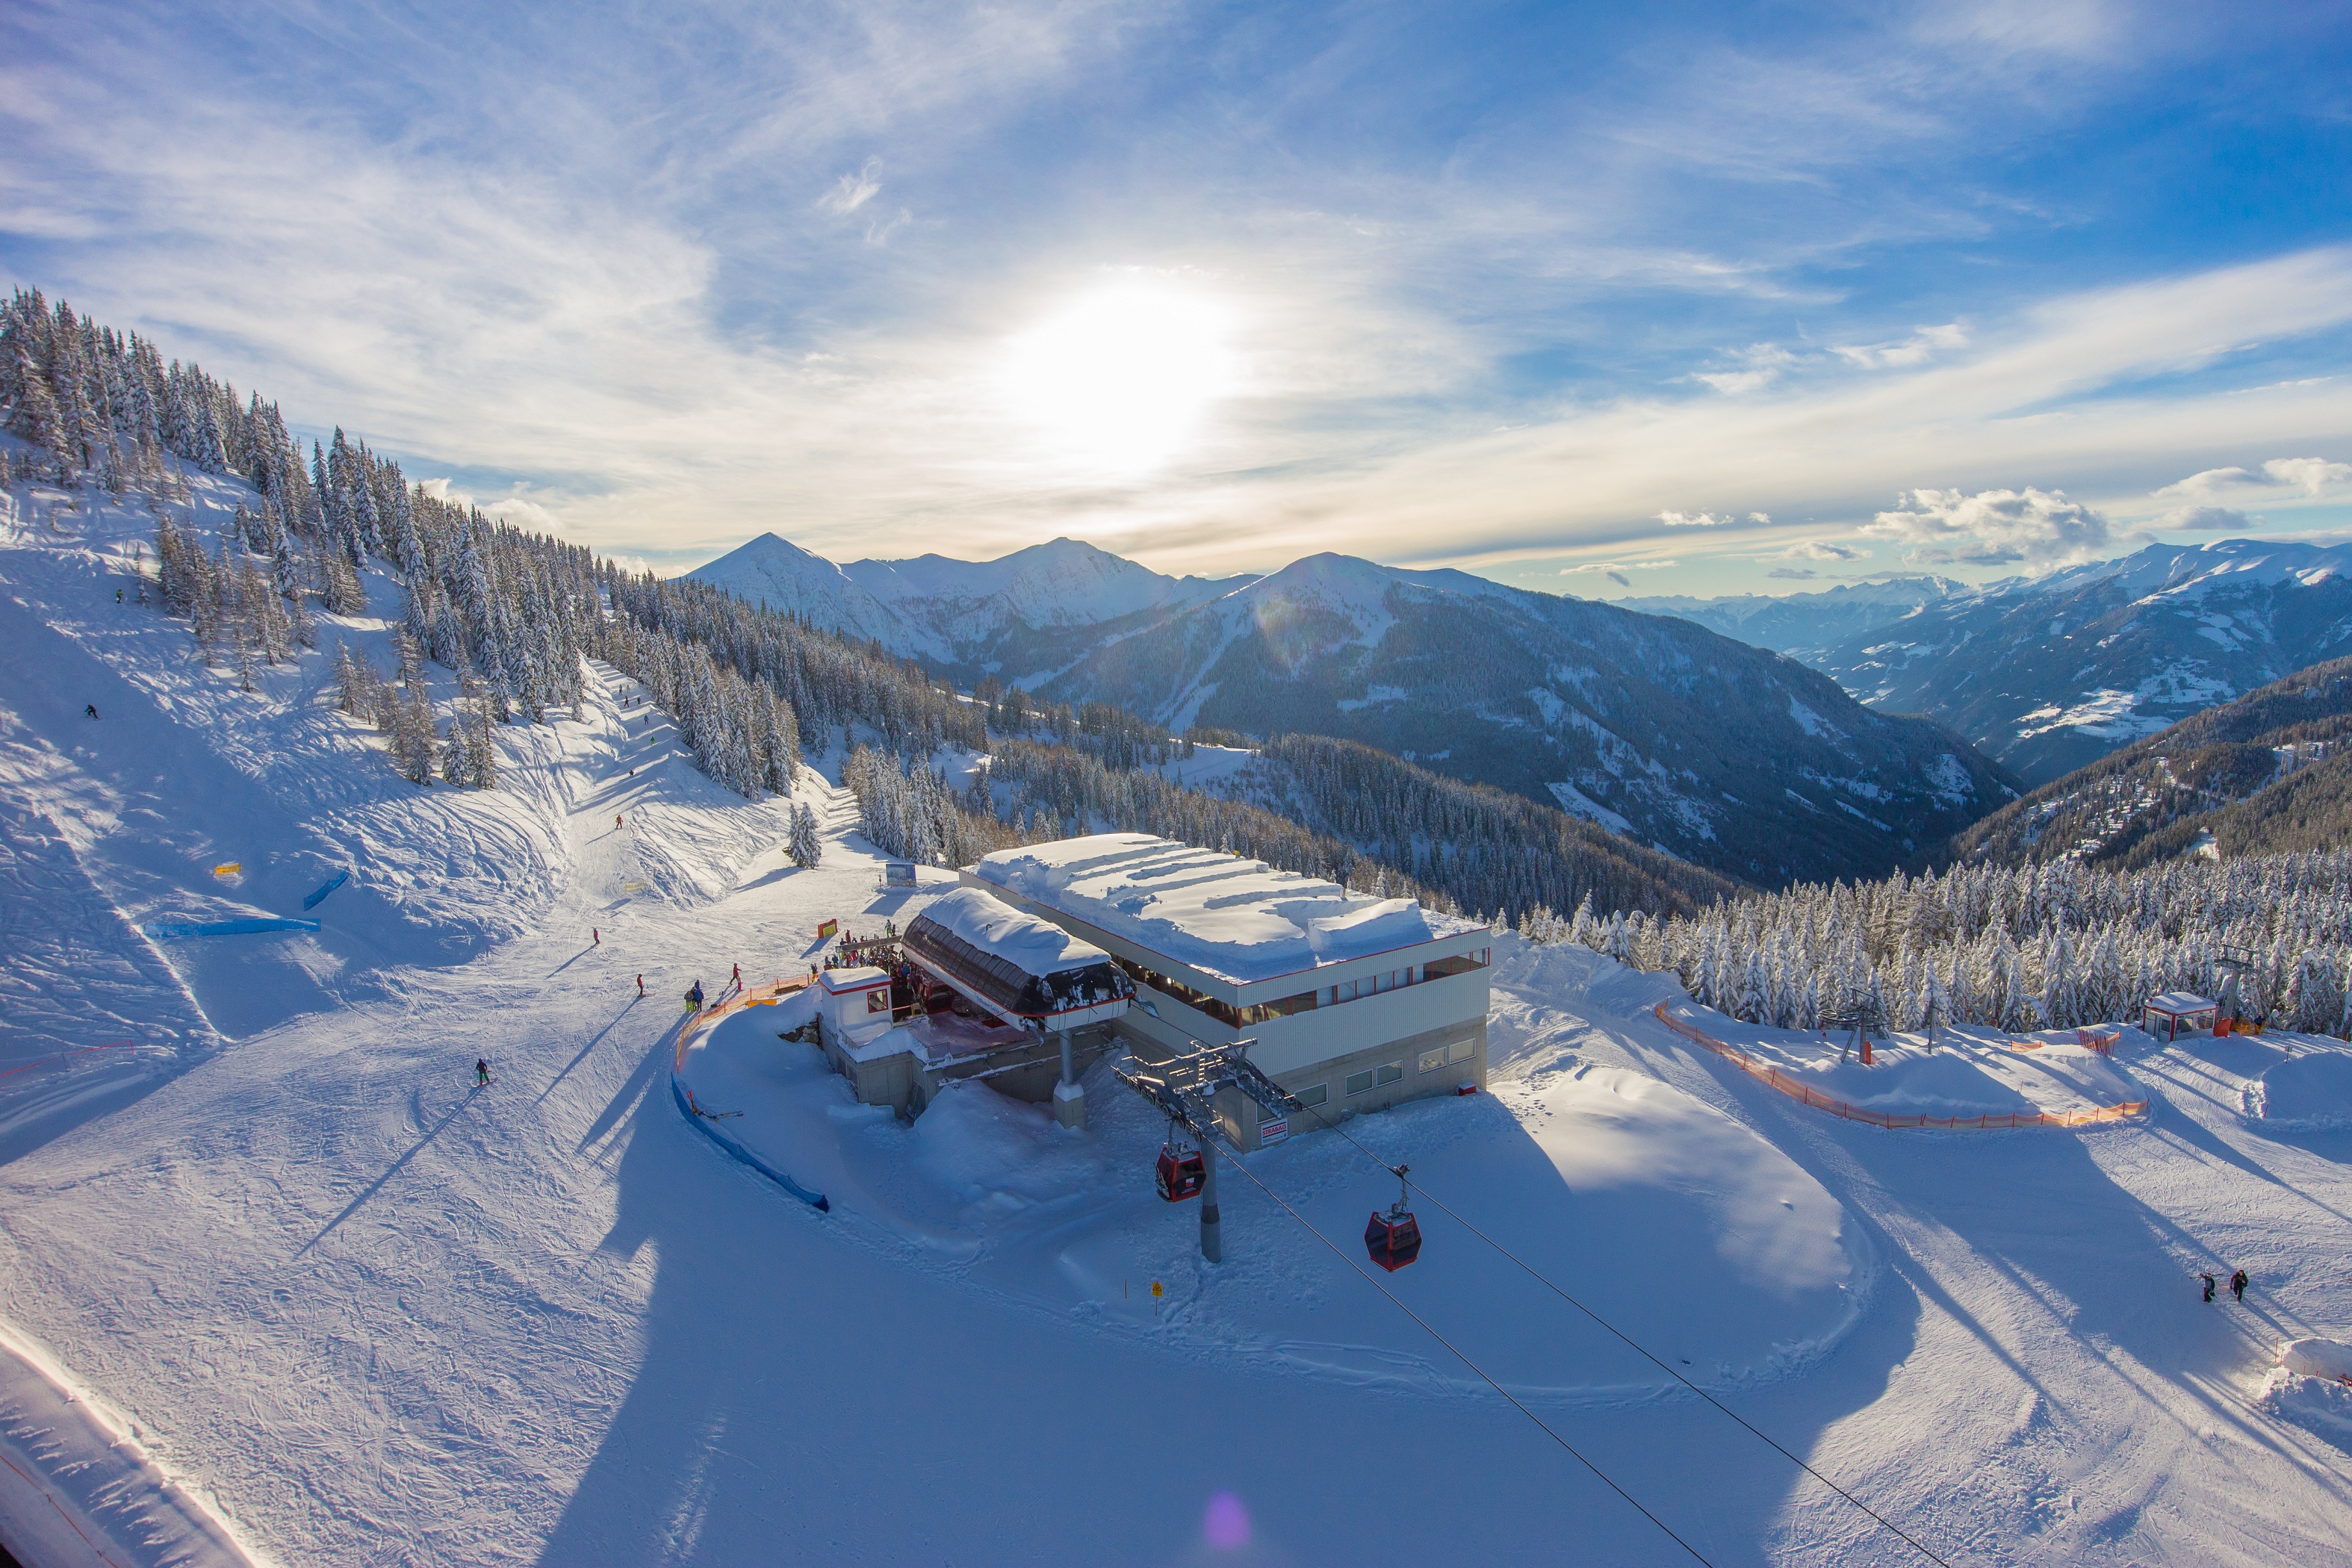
<point>1432,1059</point>
<point>1358,1082</point>
<point>1315,1095</point>
<point>1462,1050</point>
<point>1259,1012</point>
<point>1345,992</point>
<point>1391,1072</point>
<point>1460,964</point>
<point>1225,1012</point>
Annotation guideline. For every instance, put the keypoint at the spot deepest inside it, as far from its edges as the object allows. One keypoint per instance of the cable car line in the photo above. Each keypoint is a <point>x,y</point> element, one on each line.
<point>1397,1170</point>
<point>1473,1366</point>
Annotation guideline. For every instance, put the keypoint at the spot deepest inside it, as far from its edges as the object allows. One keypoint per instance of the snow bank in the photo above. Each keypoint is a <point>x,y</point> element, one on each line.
<point>76,1487</point>
<point>2312,1387</point>
<point>1971,1073</point>
<point>2317,1358</point>
<point>2310,1089</point>
<point>1240,920</point>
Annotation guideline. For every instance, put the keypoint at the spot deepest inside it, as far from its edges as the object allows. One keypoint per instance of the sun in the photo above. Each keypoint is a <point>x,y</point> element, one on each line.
<point>1118,380</point>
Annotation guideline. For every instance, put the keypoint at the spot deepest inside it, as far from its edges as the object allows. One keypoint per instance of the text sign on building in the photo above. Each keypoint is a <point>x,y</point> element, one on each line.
<point>898,873</point>
<point>1274,1132</point>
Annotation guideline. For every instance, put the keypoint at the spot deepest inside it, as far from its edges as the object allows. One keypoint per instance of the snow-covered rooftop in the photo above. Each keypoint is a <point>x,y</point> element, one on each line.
<point>2177,1002</point>
<point>1239,920</point>
<point>1039,947</point>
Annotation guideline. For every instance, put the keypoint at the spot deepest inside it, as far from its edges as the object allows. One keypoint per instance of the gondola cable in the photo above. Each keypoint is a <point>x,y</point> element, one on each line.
<point>1896,1529</point>
<point>1473,1366</point>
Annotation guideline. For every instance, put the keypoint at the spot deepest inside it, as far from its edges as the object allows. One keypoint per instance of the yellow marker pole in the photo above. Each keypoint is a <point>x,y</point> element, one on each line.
<point>1155,1298</point>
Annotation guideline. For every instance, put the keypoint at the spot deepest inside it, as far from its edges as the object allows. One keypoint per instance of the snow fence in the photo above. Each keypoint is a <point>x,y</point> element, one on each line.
<point>1853,1112</point>
<point>701,1023</point>
<point>228,927</point>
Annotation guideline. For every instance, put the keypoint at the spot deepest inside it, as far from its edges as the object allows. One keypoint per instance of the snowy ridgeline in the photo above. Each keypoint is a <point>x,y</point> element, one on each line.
<point>2051,947</point>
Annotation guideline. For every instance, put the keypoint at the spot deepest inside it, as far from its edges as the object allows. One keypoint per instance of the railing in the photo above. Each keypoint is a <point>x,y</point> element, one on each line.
<point>701,1023</point>
<point>1853,1112</point>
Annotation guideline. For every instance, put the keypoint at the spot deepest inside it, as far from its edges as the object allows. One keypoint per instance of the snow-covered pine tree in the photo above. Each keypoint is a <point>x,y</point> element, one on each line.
<point>806,848</point>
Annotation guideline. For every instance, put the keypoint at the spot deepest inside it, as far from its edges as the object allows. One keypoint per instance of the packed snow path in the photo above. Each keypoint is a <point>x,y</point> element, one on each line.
<point>379,1317</point>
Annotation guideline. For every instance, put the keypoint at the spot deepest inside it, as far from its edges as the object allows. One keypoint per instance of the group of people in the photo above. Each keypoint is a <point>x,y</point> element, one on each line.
<point>2238,1284</point>
<point>695,1000</point>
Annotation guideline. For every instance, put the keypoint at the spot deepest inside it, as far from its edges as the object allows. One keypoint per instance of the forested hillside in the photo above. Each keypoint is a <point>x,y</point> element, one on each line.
<point>2263,774</point>
<point>2043,947</point>
<point>1723,755</point>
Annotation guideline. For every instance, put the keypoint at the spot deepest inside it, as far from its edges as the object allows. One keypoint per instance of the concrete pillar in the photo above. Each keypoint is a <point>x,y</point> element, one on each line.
<point>1069,1094</point>
<point>1212,1228</point>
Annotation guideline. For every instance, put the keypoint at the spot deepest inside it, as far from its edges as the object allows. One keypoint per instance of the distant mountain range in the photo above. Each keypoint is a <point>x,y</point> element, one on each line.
<point>1017,617</point>
<point>2049,675</point>
<point>2267,773</point>
<point>1719,752</point>
<point>1800,624</point>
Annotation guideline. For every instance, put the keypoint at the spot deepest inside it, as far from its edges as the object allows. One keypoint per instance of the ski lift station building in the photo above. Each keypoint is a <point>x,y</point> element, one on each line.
<point>1356,1002</point>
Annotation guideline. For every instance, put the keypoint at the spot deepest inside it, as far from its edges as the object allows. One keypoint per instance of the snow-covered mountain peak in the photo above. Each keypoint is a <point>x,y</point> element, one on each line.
<point>773,571</point>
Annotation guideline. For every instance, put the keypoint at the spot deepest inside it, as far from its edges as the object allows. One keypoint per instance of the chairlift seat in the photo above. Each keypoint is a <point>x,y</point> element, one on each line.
<point>1181,1176</point>
<point>1392,1238</point>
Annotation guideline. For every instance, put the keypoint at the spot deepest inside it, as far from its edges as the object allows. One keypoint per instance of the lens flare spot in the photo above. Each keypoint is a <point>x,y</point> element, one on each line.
<point>1227,1524</point>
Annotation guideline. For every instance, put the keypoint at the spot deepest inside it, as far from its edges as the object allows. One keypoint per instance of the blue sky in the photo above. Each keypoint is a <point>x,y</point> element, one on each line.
<point>1779,294</point>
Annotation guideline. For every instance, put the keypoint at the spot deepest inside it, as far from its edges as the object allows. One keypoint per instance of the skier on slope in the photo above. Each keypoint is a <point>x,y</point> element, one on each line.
<point>2208,1285</point>
<point>694,998</point>
<point>738,977</point>
<point>91,709</point>
<point>482,1072</point>
<point>2238,1284</point>
<point>641,984</point>
<point>595,937</point>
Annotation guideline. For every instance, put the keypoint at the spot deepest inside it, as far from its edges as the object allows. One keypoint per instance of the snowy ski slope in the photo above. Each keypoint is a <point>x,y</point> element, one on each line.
<point>354,1311</point>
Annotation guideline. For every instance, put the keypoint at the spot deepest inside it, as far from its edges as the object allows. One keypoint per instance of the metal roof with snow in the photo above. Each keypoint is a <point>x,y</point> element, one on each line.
<point>1014,964</point>
<point>1237,920</point>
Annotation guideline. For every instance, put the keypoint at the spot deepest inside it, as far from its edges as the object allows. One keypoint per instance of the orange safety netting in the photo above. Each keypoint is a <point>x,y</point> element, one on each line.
<point>1821,1101</point>
<point>765,996</point>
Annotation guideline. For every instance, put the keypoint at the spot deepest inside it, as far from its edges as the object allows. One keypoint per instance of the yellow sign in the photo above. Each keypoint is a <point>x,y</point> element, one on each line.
<point>828,931</point>
<point>1155,1287</point>
<point>228,868</point>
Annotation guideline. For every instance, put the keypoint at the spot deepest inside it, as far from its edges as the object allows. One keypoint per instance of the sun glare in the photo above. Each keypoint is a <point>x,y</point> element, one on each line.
<point>1119,380</point>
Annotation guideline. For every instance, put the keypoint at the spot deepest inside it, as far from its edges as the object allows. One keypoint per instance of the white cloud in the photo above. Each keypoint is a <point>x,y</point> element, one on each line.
<point>853,191</point>
<point>1763,519</point>
<point>1793,573</point>
<point>1914,350</point>
<point>1821,549</point>
<point>2314,476</point>
<point>1994,528</point>
<point>2199,494</point>
<point>1697,520</point>
<point>1611,568</point>
<point>525,513</point>
<point>1757,366</point>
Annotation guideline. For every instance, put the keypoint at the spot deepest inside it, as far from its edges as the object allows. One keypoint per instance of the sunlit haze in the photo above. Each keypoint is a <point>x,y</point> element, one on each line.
<point>1598,300</point>
<point>1119,380</point>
